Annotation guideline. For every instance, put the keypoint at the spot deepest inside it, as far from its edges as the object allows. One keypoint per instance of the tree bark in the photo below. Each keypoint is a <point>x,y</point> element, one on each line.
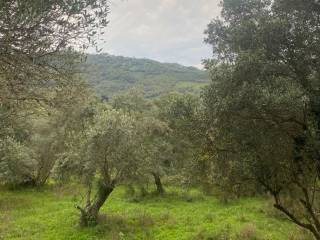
<point>89,215</point>
<point>158,183</point>
<point>295,220</point>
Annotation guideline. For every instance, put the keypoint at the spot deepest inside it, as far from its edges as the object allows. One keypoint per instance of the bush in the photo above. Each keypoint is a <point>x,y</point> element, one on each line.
<point>16,162</point>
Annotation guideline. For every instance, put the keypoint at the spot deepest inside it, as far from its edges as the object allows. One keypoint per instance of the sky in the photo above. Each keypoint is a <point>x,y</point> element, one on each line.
<point>163,30</point>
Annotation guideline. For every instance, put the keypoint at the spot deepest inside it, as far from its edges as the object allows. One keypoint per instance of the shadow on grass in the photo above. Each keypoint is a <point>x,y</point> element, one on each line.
<point>171,195</point>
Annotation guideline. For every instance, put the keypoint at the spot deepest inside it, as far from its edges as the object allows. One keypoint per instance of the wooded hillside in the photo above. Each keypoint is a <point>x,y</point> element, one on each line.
<point>110,75</point>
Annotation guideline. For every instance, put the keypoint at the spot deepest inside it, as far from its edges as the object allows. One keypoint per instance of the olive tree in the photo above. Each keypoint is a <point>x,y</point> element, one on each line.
<point>40,132</point>
<point>262,107</point>
<point>106,154</point>
<point>156,151</point>
<point>17,163</point>
<point>41,43</point>
<point>38,40</point>
<point>182,114</point>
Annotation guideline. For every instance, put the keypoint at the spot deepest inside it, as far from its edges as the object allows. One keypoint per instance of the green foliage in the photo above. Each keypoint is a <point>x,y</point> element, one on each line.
<point>38,80</point>
<point>261,108</point>
<point>16,162</point>
<point>112,145</point>
<point>42,28</point>
<point>154,150</point>
<point>37,53</point>
<point>182,113</point>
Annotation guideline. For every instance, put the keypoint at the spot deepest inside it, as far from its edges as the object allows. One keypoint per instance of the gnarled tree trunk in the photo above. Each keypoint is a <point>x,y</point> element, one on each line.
<point>157,181</point>
<point>89,214</point>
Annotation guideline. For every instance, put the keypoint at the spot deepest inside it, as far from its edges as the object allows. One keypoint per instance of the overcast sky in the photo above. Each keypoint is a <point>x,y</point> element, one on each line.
<point>163,30</point>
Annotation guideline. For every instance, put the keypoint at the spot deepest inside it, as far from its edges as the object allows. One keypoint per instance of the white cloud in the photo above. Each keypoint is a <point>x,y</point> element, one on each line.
<point>164,30</point>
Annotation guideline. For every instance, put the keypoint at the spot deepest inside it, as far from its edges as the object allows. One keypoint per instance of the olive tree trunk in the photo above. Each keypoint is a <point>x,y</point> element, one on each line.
<point>158,183</point>
<point>89,214</point>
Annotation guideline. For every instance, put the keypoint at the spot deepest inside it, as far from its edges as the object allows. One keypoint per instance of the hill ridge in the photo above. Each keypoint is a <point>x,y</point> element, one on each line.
<point>110,75</point>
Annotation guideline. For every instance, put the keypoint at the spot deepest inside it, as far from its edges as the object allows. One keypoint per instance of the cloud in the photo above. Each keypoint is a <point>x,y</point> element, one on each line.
<point>164,30</point>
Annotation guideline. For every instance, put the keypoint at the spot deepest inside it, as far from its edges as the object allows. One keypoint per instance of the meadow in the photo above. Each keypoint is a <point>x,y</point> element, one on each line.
<point>50,213</point>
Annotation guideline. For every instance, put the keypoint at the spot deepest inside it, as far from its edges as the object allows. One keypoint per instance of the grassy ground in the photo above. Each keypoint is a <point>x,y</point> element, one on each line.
<point>50,214</point>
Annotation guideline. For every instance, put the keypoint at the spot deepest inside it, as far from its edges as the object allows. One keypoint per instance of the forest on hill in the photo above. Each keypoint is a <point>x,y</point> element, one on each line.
<point>153,150</point>
<point>110,75</point>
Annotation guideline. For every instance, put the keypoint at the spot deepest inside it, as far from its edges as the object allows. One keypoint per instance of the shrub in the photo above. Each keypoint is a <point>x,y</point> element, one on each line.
<point>16,162</point>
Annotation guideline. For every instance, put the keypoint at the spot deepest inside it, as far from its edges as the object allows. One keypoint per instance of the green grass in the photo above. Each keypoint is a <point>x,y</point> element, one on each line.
<point>50,214</point>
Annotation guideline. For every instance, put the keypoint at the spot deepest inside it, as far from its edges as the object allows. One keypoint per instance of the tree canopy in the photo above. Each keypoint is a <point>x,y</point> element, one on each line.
<point>262,107</point>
